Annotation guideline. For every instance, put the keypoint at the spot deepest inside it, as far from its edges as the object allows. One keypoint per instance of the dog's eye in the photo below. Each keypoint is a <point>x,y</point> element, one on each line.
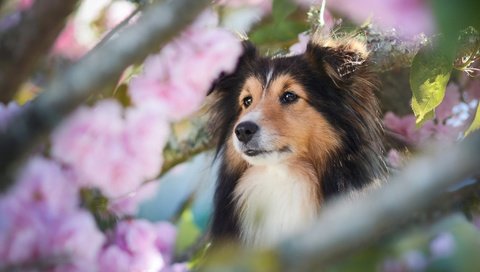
<point>247,101</point>
<point>288,97</point>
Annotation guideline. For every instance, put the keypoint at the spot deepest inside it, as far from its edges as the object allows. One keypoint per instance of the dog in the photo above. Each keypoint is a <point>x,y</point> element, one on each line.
<point>292,132</point>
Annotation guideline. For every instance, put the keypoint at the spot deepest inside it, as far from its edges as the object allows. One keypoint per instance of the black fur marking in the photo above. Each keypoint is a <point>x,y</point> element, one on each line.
<point>225,224</point>
<point>349,106</point>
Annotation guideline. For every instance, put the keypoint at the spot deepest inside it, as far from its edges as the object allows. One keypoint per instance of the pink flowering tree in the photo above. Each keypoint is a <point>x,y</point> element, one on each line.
<point>92,94</point>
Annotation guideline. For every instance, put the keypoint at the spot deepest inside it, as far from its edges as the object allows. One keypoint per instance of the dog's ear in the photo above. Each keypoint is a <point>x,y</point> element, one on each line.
<point>249,54</point>
<point>340,59</point>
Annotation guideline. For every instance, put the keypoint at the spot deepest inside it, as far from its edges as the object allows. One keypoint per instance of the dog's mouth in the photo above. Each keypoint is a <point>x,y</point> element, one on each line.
<point>256,152</point>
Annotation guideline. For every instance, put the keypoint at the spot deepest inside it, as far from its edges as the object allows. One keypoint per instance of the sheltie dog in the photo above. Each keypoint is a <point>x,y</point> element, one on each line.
<point>292,132</point>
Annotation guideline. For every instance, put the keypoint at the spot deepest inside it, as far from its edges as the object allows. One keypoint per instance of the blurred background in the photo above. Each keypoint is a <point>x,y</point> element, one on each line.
<point>412,42</point>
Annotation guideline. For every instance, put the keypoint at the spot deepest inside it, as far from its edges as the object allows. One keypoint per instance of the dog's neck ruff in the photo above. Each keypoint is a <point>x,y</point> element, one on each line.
<point>274,202</point>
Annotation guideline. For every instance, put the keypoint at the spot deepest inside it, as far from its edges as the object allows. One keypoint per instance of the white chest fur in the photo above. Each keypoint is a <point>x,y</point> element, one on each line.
<point>273,202</point>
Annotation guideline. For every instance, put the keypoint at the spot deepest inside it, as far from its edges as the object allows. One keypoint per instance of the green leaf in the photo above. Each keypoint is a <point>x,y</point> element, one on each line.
<point>187,232</point>
<point>454,16</point>
<point>429,76</point>
<point>275,33</point>
<point>279,29</point>
<point>281,9</point>
<point>121,94</point>
<point>476,122</point>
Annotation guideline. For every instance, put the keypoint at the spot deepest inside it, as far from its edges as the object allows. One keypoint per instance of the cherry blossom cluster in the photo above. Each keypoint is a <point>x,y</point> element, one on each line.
<point>452,118</point>
<point>115,149</point>
<point>176,80</point>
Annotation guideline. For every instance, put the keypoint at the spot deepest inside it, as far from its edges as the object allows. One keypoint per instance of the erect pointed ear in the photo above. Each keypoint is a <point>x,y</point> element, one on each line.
<point>249,54</point>
<point>340,59</point>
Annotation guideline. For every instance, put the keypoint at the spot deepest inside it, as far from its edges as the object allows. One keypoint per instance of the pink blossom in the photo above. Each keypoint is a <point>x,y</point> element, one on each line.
<point>138,245</point>
<point>208,19</point>
<point>176,79</point>
<point>395,159</point>
<point>453,115</point>
<point>451,98</point>
<point>408,17</point>
<point>476,220</point>
<point>113,258</point>
<point>473,91</point>
<point>300,47</point>
<point>25,4</point>
<point>443,245</point>
<point>23,233</point>
<point>67,44</point>
<point>165,241</point>
<point>46,185</point>
<point>77,236</point>
<point>40,220</point>
<point>79,35</point>
<point>111,148</point>
<point>405,128</point>
<point>451,120</point>
<point>304,38</point>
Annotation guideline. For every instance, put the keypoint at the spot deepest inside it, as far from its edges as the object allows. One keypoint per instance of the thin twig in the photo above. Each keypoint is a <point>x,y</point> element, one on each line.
<point>115,31</point>
<point>198,141</point>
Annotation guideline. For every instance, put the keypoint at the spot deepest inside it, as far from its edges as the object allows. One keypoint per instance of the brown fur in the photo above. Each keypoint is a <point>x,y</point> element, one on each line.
<point>332,131</point>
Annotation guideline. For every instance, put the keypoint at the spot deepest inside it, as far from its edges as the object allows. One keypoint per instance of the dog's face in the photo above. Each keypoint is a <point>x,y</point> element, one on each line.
<point>277,122</point>
<point>293,109</point>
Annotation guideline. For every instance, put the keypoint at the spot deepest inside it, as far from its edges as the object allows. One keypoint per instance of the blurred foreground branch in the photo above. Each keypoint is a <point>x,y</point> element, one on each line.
<point>23,44</point>
<point>160,23</point>
<point>348,224</point>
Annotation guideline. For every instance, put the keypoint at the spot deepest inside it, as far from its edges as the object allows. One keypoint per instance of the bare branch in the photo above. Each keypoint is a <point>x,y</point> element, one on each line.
<point>347,224</point>
<point>390,51</point>
<point>160,23</point>
<point>22,45</point>
<point>197,141</point>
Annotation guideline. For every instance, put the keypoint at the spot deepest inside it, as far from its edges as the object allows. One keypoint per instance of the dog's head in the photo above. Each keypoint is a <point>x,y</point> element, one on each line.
<point>296,108</point>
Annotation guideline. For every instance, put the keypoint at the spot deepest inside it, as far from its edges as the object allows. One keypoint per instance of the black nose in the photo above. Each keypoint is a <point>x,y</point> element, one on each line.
<point>245,131</point>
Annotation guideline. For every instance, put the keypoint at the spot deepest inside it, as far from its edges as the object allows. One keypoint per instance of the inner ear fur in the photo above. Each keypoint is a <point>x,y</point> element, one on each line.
<point>342,59</point>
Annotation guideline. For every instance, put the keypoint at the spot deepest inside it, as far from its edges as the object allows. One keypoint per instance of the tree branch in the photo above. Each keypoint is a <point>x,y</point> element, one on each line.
<point>22,45</point>
<point>347,224</point>
<point>160,23</point>
<point>391,52</point>
<point>197,141</point>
